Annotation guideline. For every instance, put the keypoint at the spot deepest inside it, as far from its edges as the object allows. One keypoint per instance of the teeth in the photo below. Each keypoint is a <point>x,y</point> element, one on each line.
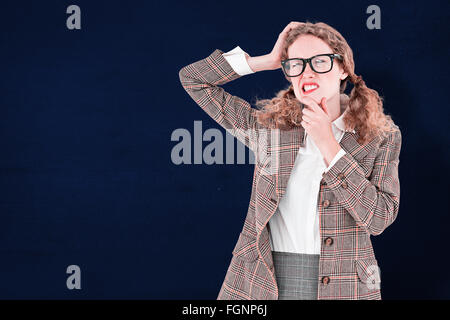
<point>309,87</point>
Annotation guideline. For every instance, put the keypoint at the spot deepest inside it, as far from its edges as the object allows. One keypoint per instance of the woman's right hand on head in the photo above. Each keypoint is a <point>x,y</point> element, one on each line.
<point>272,60</point>
<point>275,55</point>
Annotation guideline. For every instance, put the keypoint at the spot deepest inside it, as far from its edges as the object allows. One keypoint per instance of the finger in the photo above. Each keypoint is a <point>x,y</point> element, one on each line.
<point>285,31</point>
<point>304,125</point>
<point>324,105</point>
<point>310,116</point>
<point>309,112</point>
<point>291,25</point>
<point>306,119</point>
<point>311,103</point>
<point>316,106</point>
<point>288,27</point>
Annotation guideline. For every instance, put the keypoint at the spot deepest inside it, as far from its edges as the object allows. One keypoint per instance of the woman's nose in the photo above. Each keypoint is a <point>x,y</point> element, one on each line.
<point>308,71</point>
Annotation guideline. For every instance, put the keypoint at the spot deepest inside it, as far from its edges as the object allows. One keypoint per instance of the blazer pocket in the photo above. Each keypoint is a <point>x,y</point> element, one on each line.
<point>368,272</point>
<point>245,248</point>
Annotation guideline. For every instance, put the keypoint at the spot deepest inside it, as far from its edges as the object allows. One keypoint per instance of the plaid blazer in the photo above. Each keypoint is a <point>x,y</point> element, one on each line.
<point>359,196</point>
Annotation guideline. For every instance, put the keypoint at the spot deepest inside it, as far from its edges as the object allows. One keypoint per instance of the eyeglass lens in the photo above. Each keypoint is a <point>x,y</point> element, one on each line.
<point>319,64</point>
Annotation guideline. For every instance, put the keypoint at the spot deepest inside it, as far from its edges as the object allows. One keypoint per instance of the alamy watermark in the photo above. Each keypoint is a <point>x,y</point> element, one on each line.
<point>74,20</point>
<point>263,146</point>
<point>74,280</point>
<point>374,20</point>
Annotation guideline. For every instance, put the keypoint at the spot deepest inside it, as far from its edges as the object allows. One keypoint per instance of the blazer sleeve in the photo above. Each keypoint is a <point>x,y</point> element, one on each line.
<point>202,80</point>
<point>373,202</point>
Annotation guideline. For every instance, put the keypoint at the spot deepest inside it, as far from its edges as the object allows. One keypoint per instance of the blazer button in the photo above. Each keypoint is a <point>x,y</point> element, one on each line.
<point>341,176</point>
<point>344,184</point>
<point>329,241</point>
<point>326,203</point>
<point>326,280</point>
<point>273,201</point>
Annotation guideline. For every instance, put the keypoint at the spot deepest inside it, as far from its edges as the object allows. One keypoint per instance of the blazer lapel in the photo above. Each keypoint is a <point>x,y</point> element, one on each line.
<point>349,143</point>
<point>286,152</point>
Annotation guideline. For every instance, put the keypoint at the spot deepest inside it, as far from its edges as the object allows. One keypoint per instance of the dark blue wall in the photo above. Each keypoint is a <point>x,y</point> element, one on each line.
<point>86,119</point>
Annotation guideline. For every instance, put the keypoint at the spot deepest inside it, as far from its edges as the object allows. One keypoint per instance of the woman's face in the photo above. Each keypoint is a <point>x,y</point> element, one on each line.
<point>306,46</point>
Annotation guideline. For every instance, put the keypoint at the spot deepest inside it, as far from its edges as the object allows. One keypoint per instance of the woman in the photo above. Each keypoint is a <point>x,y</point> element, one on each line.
<point>326,175</point>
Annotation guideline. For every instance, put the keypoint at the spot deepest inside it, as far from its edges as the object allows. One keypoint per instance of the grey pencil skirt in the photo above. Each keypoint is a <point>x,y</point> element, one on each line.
<point>296,275</point>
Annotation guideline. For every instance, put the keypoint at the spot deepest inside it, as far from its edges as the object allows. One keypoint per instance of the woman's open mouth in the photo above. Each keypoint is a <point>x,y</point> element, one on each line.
<point>307,88</point>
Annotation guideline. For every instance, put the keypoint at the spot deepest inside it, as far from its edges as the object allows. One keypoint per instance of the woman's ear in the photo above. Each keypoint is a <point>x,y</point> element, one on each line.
<point>344,75</point>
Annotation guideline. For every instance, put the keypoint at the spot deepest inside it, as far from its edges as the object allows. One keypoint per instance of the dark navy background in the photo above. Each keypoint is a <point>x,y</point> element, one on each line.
<point>86,176</point>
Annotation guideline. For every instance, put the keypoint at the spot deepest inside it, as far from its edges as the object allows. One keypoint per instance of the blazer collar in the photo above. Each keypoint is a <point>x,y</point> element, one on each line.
<point>340,124</point>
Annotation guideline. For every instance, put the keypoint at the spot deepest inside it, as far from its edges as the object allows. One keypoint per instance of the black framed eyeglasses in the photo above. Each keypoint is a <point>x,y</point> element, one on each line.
<point>321,63</point>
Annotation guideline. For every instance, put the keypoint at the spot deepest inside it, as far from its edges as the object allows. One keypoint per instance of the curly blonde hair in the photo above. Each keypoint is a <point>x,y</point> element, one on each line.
<point>365,107</point>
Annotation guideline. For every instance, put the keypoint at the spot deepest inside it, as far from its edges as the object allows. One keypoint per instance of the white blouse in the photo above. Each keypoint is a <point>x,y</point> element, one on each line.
<point>294,227</point>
